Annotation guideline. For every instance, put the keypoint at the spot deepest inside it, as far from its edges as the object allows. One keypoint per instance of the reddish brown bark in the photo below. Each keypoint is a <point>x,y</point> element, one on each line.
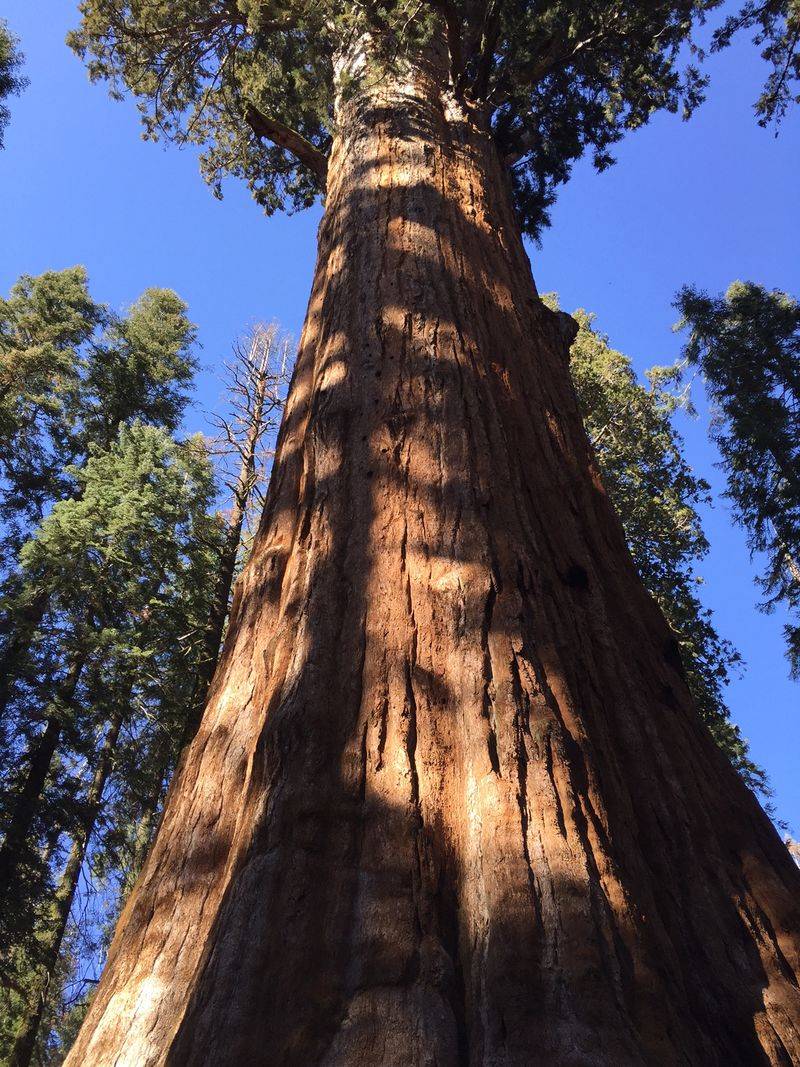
<point>449,802</point>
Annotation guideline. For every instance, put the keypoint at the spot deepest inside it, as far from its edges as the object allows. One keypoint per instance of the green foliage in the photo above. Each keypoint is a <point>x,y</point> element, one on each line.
<point>776,31</point>
<point>110,554</point>
<point>116,539</point>
<point>656,495</point>
<point>142,367</point>
<point>196,67</point>
<point>571,78</point>
<point>254,81</point>
<point>747,345</point>
<point>45,325</point>
<point>11,81</point>
<point>137,552</point>
<point>65,1005</point>
<point>71,372</point>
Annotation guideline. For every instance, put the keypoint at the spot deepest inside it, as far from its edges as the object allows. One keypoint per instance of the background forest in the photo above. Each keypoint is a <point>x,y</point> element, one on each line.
<point>130,462</point>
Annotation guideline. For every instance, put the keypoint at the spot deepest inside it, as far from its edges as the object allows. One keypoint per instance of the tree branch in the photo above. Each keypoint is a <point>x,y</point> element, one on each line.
<point>488,42</point>
<point>560,49</point>
<point>285,137</point>
<point>453,33</point>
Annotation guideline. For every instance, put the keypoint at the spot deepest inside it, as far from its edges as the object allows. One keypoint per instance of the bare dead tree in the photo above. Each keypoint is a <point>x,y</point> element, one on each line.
<point>257,378</point>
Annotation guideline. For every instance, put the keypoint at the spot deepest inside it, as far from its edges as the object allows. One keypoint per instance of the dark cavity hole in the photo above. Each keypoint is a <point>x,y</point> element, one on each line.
<point>493,756</point>
<point>669,697</point>
<point>576,577</point>
<point>672,654</point>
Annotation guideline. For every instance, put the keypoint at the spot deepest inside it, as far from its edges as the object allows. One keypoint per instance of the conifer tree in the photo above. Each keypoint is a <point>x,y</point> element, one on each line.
<point>128,544</point>
<point>70,374</point>
<point>46,326</point>
<point>747,345</point>
<point>656,495</point>
<point>451,799</point>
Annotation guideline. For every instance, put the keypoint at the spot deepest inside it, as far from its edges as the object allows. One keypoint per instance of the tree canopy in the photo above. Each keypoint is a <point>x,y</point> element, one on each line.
<point>253,81</point>
<point>747,345</point>
<point>776,31</point>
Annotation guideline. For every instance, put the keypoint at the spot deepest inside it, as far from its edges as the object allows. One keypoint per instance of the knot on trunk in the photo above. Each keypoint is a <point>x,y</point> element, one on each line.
<point>567,327</point>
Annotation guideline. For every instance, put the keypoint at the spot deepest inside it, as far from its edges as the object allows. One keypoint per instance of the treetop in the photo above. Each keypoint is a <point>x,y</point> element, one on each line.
<point>253,81</point>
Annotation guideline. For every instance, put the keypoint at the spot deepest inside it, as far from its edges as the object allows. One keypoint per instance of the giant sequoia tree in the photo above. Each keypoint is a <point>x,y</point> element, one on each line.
<point>450,800</point>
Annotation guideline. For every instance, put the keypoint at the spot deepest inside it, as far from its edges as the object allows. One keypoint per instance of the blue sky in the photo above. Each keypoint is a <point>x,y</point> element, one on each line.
<point>704,202</point>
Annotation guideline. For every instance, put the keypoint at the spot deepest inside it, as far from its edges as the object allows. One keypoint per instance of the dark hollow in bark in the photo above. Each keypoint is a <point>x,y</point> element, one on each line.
<point>439,810</point>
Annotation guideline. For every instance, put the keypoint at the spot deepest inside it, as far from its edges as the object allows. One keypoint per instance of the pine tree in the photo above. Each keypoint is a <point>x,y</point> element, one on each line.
<point>656,495</point>
<point>451,798</point>
<point>46,325</point>
<point>126,545</point>
<point>72,374</point>
<point>747,345</point>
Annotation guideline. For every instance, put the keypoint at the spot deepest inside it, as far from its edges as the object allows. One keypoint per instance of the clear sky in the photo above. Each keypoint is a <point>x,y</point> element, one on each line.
<point>704,202</point>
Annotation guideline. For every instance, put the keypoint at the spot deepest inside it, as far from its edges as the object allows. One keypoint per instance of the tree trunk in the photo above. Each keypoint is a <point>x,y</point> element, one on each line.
<point>143,836</point>
<point>39,760</point>
<point>25,1039</point>
<point>15,652</point>
<point>450,801</point>
<point>792,566</point>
